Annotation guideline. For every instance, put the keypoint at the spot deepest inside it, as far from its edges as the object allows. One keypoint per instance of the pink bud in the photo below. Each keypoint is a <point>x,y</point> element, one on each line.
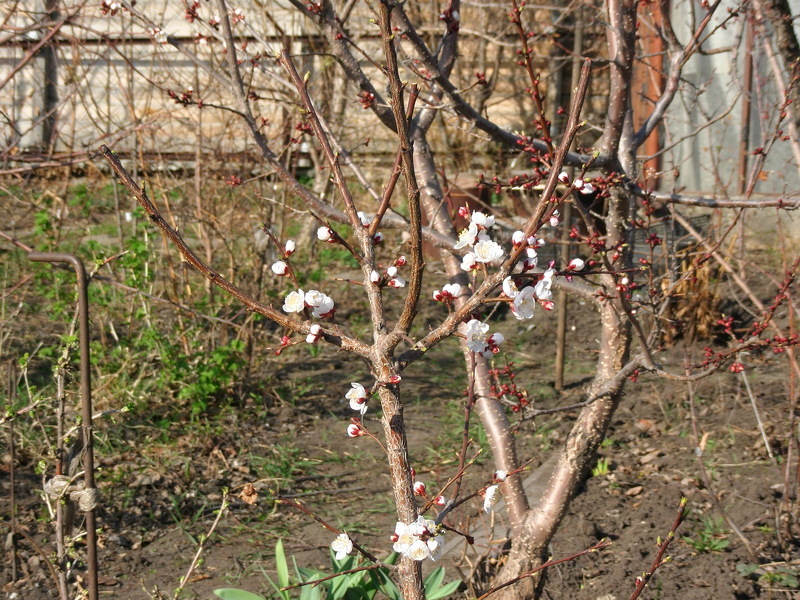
<point>563,177</point>
<point>395,379</point>
<point>377,238</point>
<point>400,261</point>
<point>440,501</point>
<point>419,488</point>
<point>463,212</point>
<point>413,472</point>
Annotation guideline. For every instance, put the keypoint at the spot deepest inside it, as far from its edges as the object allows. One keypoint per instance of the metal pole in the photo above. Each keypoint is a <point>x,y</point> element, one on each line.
<point>86,403</point>
<point>561,301</point>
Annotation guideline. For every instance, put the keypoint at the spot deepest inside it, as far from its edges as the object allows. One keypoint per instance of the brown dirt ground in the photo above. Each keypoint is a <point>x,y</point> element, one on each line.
<point>159,495</point>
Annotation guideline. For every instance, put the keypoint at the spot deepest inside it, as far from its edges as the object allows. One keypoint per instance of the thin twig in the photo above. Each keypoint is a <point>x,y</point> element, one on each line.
<point>202,546</point>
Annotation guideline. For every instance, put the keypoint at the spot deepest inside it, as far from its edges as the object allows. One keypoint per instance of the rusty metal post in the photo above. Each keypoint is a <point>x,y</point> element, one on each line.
<point>86,404</point>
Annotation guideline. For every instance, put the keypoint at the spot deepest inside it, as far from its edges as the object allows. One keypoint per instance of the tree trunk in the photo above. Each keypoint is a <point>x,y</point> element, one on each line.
<point>491,413</point>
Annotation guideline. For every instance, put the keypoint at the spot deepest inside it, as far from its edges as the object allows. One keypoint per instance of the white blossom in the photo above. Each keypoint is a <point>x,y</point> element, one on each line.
<point>468,263</point>
<point>524,304</point>
<point>418,550</point>
<point>542,287</point>
<point>342,546</point>
<point>448,293</point>
<point>357,396</point>
<point>482,219</point>
<point>436,546</point>
<point>487,251</point>
<point>518,238</point>
<point>289,248</point>
<point>374,276</point>
<point>510,288</point>
<point>404,538</point>
<point>476,333</point>
<point>324,234</point>
<point>467,237</point>
<point>491,498</point>
<point>365,220</point>
<point>500,475</point>
<point>294,302</point>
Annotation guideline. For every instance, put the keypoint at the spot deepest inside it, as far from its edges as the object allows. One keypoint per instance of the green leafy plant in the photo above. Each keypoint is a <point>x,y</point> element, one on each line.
<point>602,468</point>
<point>360,585</point>
<point>772,575</point>
<point>711,538</point>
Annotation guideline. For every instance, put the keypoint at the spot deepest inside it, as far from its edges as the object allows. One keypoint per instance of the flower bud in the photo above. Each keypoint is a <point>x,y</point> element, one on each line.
<point>576,264</point>
<point>419,488</point>
<point>400,261</point>
<point>314,333</point>
<point>563,177</point>
<point>280,268</point>
<point>289,248</point>
<point>324,234</point>
<point>499,475</point>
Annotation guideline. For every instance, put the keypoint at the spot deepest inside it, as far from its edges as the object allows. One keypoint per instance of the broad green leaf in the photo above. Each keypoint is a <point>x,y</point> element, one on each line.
<point>444,591</point>
<point>281,565</point>
<point>234,594</point>
<point>433,580</point>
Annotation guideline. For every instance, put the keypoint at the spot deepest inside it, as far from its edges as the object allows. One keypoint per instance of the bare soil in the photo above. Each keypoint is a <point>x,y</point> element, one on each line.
<point>159,493</point>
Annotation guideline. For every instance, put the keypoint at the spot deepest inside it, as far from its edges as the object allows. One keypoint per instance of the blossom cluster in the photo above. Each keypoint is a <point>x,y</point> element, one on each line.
<point>321,304</point>
<point>584,187</point>
<point>418,540</point>
<point>483,249</point>
<point>523,301</point>
<point>480,340</point>
<point>531,243</point>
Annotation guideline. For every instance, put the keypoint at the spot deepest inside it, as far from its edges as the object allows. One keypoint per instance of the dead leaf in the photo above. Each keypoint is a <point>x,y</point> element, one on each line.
<point>249,493</point>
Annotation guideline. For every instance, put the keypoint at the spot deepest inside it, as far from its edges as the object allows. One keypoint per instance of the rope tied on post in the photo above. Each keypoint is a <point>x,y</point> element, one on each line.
<point>62,486</point>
